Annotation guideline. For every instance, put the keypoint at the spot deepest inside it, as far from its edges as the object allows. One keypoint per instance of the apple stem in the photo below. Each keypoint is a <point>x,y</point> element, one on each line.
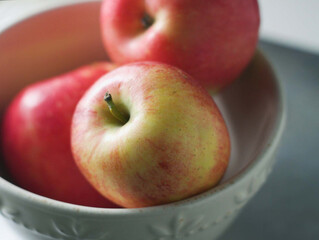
<point>114,110</point>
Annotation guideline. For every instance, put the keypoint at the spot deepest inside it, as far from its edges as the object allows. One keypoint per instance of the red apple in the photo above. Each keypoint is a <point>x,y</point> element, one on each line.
<point>163,138</point>
<point>213,40</point>
<point>36,137</point>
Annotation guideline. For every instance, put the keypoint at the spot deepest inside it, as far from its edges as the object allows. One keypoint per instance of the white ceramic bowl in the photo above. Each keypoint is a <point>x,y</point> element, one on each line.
<point>63,37</point>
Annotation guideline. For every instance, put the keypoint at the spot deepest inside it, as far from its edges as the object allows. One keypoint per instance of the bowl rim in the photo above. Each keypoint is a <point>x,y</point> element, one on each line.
<point>44,202</point>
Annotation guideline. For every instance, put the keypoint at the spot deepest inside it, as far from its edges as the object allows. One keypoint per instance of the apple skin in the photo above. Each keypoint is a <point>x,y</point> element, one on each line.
<point>36,137</point>
<point>175,144</point>
<point>212,40</point>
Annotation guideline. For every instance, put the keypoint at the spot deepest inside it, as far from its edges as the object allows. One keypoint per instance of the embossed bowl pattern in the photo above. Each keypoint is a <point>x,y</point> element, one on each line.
<point>253,109</point>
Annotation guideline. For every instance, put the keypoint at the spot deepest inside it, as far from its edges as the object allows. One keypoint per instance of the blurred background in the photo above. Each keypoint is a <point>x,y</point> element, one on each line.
<point>287,205</point>
<point>293,23</point>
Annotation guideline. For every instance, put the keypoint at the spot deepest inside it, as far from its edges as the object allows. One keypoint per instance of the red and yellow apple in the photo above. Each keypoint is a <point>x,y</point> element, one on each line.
<point>212,40</point>
<point>159,138</point>
<point>36,137</point>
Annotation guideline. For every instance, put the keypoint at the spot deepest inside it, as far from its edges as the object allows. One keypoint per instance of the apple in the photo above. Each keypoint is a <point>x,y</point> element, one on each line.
<point>212,40</point>
<point>36,137</point>
<point>158,138</point>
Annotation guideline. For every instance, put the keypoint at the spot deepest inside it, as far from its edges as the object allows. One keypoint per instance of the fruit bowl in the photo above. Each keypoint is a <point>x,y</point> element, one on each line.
<point>59,38</point>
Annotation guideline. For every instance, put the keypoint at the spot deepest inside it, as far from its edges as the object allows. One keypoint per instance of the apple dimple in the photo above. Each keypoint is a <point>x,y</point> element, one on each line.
<point>147,20</point>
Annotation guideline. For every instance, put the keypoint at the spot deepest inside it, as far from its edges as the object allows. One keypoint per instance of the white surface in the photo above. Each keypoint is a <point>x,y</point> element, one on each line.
<point>291,22</point>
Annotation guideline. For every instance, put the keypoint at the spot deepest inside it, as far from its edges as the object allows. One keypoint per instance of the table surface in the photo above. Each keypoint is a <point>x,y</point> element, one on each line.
<point>287,205</point>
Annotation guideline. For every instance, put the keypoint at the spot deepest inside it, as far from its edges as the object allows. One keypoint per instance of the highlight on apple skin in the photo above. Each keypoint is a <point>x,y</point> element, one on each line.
<point>171,143</point>
<point>36,137</point>
<point>212,40</point>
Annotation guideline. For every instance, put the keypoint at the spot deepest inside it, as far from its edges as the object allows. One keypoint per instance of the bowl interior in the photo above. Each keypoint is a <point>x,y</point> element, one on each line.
<point>64,38</point>
<point>251,107</point>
